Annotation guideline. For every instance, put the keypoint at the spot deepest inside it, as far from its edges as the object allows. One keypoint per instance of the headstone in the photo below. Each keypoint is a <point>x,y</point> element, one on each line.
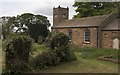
<point>40,40</point>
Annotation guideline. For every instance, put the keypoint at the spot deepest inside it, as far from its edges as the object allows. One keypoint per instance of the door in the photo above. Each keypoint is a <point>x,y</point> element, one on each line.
<point>116,43</point>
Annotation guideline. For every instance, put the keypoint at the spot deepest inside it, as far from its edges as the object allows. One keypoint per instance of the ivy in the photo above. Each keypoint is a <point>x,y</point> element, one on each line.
<point>17,52</point>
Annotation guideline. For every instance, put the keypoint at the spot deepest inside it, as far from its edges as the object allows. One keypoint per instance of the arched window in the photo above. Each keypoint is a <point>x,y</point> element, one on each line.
<point>70,34</point>
<point>87,36</point>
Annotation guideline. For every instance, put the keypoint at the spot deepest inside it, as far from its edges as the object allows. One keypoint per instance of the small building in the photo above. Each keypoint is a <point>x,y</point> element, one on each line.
<point>98,31</point>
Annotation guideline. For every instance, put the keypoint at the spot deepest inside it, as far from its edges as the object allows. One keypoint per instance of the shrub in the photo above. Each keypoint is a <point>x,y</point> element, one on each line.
<point>59,40</point>
<point>46,58</point>
<point>60,45</point>
<point>17,51</point>
<point>59,53</point>
<point>65,54</point>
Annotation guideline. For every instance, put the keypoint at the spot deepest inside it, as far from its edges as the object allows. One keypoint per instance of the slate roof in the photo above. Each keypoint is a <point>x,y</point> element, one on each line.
<point>114,25</point>
<point>83,22</point>
<point>90,22</point>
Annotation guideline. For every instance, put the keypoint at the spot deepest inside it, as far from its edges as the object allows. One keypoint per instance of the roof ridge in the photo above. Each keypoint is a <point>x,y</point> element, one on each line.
<point>87,17</point>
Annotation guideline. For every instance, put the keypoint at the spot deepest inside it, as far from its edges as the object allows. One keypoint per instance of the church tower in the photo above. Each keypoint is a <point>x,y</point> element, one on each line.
<point>60,14</point>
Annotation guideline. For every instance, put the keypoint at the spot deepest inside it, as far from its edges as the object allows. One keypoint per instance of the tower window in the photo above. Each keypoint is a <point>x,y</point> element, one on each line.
<point>87,36</point>
<point>64,15</point>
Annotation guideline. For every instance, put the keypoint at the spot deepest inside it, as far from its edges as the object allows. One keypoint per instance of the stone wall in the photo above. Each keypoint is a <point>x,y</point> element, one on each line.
<point>59,15</point>
<point>78,36</point>
<point>107,38</point>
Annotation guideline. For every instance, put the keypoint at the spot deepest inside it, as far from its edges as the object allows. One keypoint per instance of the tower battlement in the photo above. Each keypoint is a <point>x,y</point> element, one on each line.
<point>60,14</point>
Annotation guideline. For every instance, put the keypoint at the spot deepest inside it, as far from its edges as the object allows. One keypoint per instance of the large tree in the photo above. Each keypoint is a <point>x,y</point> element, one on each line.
<point>33,25</point>
<point>30,24</point>
<point>86,9</point>
<point>7,26</point>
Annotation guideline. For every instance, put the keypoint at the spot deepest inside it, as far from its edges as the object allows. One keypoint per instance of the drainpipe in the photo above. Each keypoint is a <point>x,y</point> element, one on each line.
<point>97,38</point>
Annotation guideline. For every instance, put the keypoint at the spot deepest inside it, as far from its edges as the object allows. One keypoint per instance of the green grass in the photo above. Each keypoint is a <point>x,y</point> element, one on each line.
<point>36,47</point>
<point>88,65</point>
<point>95,52</point>
<point>84,66</point>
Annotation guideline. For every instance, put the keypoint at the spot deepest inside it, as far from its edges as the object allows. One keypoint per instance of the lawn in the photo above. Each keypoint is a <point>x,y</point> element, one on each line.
<point>86,65</point>
<point>83,65</point>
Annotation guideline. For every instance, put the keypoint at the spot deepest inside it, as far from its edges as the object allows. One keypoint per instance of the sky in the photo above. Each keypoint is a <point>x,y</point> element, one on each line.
<point>41,7</point>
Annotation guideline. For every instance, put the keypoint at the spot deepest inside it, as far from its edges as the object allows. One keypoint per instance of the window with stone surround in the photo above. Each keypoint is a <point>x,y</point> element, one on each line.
<point>87,36</point>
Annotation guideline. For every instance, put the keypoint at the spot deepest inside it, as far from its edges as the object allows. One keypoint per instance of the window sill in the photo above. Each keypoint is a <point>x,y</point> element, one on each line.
<point>87,42</point>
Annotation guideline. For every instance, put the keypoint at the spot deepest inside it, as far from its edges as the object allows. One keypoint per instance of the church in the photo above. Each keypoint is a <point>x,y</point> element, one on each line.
<point>97,31</point>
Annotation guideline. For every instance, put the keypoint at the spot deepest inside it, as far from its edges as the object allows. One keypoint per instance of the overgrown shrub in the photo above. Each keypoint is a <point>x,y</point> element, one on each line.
<point>46,58</point>
<point>17,53</point>
<point>59,52</point>
<point>65,53</point>
<point>59,40</point>
<point>60,45</point>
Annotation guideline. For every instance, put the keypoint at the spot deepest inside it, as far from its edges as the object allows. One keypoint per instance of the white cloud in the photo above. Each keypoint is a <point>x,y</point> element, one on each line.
<point>42,7</point>
<point>36,0</point>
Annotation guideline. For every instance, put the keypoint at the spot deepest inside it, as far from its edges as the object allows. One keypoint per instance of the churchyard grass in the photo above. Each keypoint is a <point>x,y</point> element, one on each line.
<point>83,65</point>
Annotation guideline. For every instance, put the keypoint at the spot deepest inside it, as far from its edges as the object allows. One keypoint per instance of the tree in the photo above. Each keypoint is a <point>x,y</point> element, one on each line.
<point>86,9</point>
<point>33,25</point>
<point>7,27</point>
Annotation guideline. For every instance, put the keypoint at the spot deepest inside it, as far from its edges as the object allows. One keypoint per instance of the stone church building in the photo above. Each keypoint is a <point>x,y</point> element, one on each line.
<point>97,31</point>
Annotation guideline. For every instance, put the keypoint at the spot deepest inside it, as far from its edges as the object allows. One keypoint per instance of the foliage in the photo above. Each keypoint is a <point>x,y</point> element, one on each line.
<point>34,25</point>
<point>86,9</point>
<point>27,23</point>
<point>60,45</point>
<point>59,40</point>
<point>17,52</point>
<point>7,27</point>
<point>65,54</point>
<point>45,59</point>
<point>38,48</point>
<point>84,66</point>
<point>58,53</point>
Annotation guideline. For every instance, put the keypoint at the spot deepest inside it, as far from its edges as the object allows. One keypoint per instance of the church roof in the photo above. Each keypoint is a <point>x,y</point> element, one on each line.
<point>83,22</point>
<point>94,21</point>
<point>114,25</point>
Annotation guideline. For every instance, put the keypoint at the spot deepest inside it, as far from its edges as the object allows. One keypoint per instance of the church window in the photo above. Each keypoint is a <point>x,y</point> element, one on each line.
<point>87,36</point>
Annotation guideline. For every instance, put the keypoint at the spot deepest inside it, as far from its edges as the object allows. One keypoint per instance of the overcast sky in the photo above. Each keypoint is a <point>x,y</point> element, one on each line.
<point>42,7</point>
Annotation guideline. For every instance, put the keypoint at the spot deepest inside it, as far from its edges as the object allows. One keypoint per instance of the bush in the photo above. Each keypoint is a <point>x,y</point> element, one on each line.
<point>60,45</point>
<point>17,51</point>
<point>65,54</point>
<point>59,53</point>
<point>46,58</point>
<point>59,40</point>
